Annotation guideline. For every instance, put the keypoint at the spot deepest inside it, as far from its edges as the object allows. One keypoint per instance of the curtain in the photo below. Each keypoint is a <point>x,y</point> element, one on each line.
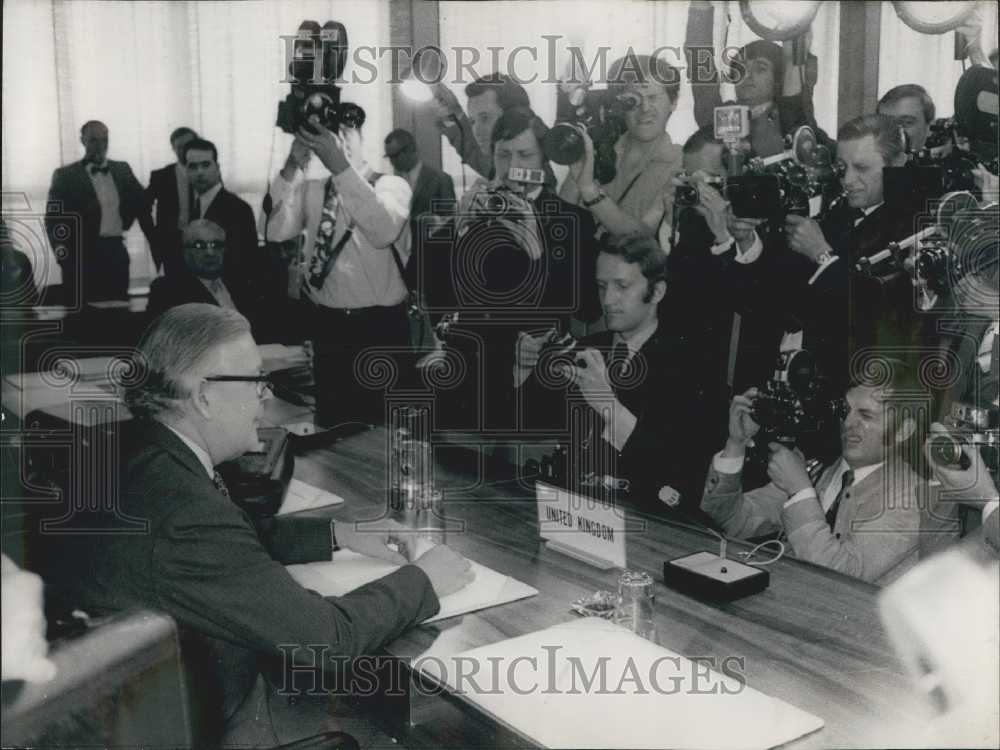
<point>147,68</point>
<point>929,59</point>
<point>591,25</point>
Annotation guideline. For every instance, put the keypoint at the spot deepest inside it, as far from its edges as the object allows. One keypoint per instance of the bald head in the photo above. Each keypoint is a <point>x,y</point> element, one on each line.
<point>94,137</point>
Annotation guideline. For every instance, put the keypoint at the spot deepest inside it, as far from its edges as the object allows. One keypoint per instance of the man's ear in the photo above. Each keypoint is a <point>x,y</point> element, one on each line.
<point>659,291</point>
<point>906,430</point>
<point>200,401</point>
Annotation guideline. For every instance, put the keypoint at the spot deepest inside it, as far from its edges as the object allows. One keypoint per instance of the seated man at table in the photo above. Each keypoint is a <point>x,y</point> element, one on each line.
<point>201,560</point>
<point>633,388</point>
<point>861,516</point>
<point>200,280</point>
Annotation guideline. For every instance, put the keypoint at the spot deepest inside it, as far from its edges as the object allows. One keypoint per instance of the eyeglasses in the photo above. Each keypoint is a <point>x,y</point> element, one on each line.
<point>263,381</point>
<point>207,244</point>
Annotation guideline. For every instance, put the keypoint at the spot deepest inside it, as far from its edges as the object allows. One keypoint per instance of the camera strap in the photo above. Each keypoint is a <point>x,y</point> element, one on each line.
<point>412,297</point>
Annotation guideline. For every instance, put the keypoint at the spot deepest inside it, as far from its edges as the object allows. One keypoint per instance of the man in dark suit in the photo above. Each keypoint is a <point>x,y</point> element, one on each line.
<point>433,190</point>
<point>525,267</point>
<point>204,247</point>
<point>637,407</point>
<point>212,201</point>
<point>201,559</point>
<point>92,203</point>
<point>840,311</point>
<point>169,195</point>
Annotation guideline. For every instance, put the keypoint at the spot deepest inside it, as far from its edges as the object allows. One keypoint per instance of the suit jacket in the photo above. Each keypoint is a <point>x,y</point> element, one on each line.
<point>432,185</point>
<point>243,258</point>
<point>202,561</point>
<point>162,193</point>
<point>876,534</point>
<point>76,222</point>
<point>668,398</point>
<point>179,289</point>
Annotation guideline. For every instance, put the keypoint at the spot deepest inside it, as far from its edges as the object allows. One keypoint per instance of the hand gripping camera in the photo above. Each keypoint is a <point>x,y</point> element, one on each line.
<point>599,113</point>
<point>796,401</point>
<point>968,425</point>
<point>318,59</point>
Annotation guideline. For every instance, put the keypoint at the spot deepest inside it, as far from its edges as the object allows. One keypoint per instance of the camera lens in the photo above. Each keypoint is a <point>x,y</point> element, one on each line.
<point>496,204</point>
<point>946,450</point>
<point>563,144</point>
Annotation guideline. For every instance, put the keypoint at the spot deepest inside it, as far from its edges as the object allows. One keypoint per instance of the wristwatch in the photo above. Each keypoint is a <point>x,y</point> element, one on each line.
<point>601,195</point>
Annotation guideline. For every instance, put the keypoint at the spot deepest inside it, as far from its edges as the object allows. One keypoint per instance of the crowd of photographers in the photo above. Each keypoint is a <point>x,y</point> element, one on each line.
<point>621,313</point>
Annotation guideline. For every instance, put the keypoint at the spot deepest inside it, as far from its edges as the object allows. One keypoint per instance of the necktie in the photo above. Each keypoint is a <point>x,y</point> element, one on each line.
<point>847,479</point>
<point>618,362</point>
<point>324,256</point>
<point>220,484</point>
<point>195,206</point>
<point>94,169</point>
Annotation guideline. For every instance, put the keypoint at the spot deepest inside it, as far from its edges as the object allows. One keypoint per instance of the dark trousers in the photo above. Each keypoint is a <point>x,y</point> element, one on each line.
<point>103,272</point>
<point>359,355</point>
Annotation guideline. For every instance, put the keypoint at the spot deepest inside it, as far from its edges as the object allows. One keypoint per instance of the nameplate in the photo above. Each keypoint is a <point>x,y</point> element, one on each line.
<point>586,528</point>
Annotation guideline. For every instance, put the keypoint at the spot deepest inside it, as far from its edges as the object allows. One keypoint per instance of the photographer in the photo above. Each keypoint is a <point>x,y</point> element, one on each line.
<point>861,516</point>
<point>354,222</point>
<point>913,109</point>
<point>641,193</point>
<point>471,135</point>
<point>643,400</point>
<point>835,312</point>
<point>778,92</point>
<point>516,257</point>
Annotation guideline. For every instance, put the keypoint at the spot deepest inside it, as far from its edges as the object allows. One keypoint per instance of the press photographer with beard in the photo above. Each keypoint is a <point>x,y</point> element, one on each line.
<point>525,266</point>
<point>641,193</point>
<point>354,221</point>
<point>861,516</point>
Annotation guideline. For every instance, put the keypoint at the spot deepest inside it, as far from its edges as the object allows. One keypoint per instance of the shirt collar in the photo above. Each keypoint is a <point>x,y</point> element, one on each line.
<point>640,337</point>
<point>414,173</point>
<point>871,209</point>
<point>859,473</point>
<point>206,198</point>
<point>200,453</point>
<point>760,109</point>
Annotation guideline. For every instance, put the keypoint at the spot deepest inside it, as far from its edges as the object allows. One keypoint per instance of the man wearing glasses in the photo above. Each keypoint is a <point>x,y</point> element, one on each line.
<point>204,252</point>
<point>202,561</point>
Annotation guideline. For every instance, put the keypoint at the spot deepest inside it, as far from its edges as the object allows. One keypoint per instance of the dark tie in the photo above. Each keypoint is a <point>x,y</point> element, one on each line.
<point>220,484</point>
<point>195,206</point>
<point>847,479</point>
<point>324,254</point>
<point>94,169</point>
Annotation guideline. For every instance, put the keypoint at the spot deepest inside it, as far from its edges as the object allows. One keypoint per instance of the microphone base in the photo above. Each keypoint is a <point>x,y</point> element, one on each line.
<point>705,575</point>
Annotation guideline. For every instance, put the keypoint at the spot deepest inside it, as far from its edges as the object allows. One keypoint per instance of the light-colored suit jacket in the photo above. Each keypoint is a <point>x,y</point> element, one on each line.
<point>875,537</point>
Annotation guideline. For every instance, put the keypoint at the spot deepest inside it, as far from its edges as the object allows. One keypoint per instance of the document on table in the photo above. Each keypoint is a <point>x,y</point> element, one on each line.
<point>591,683</point>
<point>304,496</point>
<point>349,570</point>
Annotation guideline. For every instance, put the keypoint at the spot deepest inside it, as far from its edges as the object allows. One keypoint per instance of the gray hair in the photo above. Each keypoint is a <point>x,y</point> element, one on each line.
<point>202,224</point>
<point>175,346</point>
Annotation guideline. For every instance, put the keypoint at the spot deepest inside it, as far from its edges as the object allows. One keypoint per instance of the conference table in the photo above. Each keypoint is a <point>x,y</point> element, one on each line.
<point>813,638</point>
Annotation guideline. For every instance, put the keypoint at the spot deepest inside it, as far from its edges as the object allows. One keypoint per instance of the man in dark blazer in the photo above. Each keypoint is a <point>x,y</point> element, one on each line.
<point>638,402</point>
<point>204,248</point>
<point>91,204</point>
<point>199,558</point>
<point>169,196</point>
<point>213,202</point>
<point>433,190</point>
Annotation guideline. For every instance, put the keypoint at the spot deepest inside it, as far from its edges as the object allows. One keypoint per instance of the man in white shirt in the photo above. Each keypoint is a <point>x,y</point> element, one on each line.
<point>354,221</point>
<point>861,516</point>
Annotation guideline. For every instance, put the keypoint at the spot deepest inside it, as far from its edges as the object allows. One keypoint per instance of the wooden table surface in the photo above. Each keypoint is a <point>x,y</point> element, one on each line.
<point>813,638</point>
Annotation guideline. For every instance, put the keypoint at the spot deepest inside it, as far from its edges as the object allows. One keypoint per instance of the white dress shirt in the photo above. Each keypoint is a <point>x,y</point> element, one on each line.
<point>364,274</point>
<point>217,288</point>
<point>206,198</point>
<point>107,196</point>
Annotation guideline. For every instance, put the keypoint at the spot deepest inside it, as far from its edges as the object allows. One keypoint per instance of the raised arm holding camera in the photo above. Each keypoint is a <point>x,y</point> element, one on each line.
<point>641,192</point>
<point>861,515</point>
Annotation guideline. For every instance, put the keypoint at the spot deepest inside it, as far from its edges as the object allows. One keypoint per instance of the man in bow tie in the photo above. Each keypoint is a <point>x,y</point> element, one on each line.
<point>91,205</point>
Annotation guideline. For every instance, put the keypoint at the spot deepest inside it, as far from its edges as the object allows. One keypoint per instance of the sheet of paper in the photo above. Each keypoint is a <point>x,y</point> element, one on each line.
<point>591,683</point>
<point>349,570</point>
<point>304,496</point>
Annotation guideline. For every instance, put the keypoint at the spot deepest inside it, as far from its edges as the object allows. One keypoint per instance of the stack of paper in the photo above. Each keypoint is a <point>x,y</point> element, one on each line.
<point>303,496</point>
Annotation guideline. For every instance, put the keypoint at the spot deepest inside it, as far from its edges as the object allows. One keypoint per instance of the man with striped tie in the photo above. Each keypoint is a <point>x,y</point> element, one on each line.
<point>861,515</point>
